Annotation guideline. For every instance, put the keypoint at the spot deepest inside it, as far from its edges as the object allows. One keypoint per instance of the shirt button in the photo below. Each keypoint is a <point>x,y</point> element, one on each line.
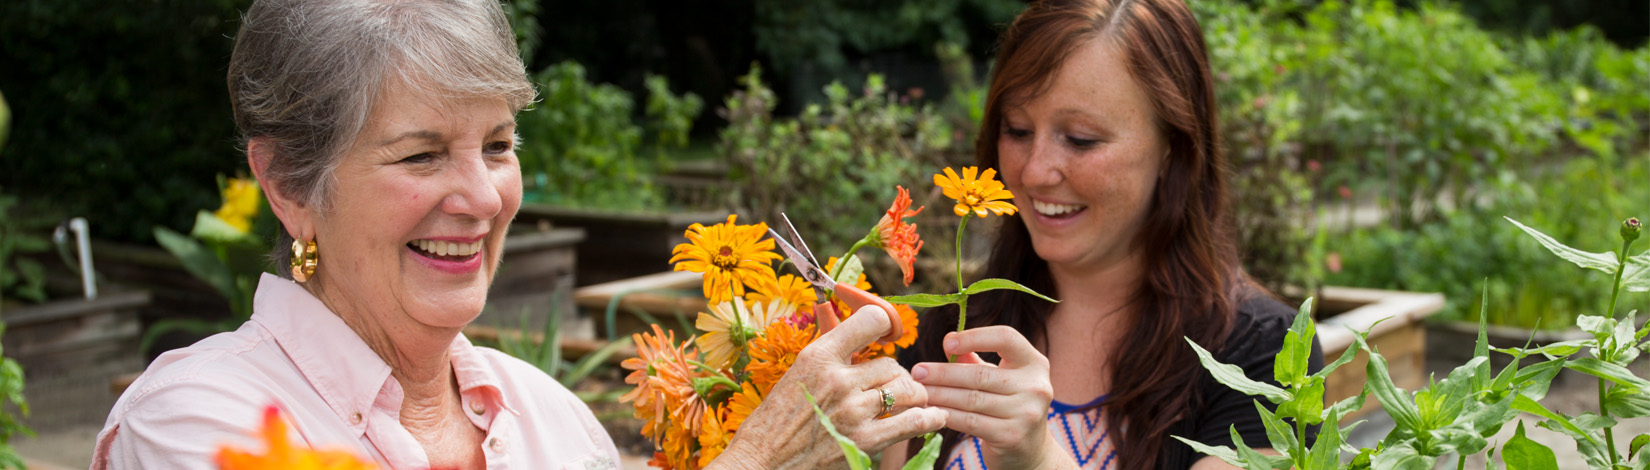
<point>496,444</point>
<point>355,418</point>
<point>478,407</point>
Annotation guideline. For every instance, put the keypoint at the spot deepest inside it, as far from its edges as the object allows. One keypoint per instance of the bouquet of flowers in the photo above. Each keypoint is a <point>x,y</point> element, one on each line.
<point>693,393</point>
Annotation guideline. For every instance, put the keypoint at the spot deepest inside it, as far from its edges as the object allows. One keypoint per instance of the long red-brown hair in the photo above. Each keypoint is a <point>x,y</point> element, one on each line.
<point>1191,273</point>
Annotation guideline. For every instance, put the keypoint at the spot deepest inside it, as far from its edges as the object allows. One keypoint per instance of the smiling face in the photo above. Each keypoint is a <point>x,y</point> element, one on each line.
<point>419,210</point>
<point>1083,159</point>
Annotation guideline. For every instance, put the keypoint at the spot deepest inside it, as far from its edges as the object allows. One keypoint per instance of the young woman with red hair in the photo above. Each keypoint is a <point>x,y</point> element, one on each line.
<point>1101,117</point>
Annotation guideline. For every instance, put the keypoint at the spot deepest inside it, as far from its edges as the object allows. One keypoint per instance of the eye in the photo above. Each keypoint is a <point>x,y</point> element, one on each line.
<point>421,158</point>
<point>1015,133</point>
<point>498,147</point>
<point>1082,143</point>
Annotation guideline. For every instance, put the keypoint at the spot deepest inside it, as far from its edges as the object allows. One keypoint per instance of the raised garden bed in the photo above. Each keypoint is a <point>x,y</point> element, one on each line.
<point>69,350</point>
<point>622,244</point>
<point>1394,320</point>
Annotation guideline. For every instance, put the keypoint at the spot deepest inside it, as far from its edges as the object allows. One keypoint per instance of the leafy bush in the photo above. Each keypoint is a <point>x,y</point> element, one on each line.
<point>1456,416</point>
<point>1456,254</point>
<point>839,159</point>
<point>121,111</point>
<point>579,142</point>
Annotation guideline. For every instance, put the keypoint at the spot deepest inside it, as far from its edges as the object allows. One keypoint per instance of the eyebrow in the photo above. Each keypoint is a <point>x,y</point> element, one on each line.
<point>433,135</point>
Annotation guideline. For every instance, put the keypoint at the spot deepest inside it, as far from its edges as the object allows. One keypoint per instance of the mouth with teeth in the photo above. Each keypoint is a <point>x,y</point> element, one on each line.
<point>445,250</point>
<point>1057,211</point>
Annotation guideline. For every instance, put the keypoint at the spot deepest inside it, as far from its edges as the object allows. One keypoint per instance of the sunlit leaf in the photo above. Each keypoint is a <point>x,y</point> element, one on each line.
<point>1627,402</point>
<point>926,457</point>
<point>1221,452</point>
<point>1605,262</point>
<point>1233,377</point>
<point>992,284</point>
<point>1253,460</point>
<point>1607,371</point>
<point>924,300</point>
<point>1290,367</point>
<point>857,460</point>
<point>1521,453</point>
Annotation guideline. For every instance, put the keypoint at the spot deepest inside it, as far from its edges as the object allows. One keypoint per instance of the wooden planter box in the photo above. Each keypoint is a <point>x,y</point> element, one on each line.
<point>672,297</point>
<point>622,244</point>
<point>535,280</point>
<point>1401,338</point>
<point>69,350</point>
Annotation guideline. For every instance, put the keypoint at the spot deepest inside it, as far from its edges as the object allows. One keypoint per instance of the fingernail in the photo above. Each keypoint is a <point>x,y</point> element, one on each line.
<point>919,372</point>
<point>950,343</point>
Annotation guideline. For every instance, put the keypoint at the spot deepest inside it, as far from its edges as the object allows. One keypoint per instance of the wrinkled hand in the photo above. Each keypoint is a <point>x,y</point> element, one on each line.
<point>784,433</point>
<point>1006,406</point>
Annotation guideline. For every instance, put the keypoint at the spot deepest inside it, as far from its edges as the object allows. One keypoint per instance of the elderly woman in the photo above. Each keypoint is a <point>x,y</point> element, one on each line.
<point>383,134</point>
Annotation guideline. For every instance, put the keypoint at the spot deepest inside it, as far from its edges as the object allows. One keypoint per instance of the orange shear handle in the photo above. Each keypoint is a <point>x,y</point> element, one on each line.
<point>856,298</point>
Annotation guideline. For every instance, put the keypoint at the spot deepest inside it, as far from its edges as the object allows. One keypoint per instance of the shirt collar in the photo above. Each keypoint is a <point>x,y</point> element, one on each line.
<point>338,363</point>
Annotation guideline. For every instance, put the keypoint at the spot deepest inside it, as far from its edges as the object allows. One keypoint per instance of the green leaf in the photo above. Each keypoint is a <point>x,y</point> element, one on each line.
<point>1278,432</point>
<point>1400,458</point>
<point>1600,327</point>
<point>1221,452</point>
<point>1559,349</point>
<point>1636,278</point>
<point>850,271</point>
<point>1525,404</point>
<point>1627,402</point>
<point>1349,404</point>
<point>1395,400</point>
<point>1233,377</point>
<point>1521,453</point>
<point>213,229</point>
<point>1290,366</point>
<point>992,284</point>
<point>1255,460</point>
<point>1306,404</point>
<point>924,300</point>
<point>1607,371</point>
<point>590,362</point>
<point>1605,262</point>
<point>1533,381</point>
<point>1346,356</point>
<point>857,460</point>
<point>1326,452</point>
<point>1638,443</point>
<point>926,457</point>
<point>198,260</point>
<point>1482,380</point>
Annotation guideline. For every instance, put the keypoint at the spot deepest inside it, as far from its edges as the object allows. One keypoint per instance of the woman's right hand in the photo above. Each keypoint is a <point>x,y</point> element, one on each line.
<point>1005,405</point>
<point>784,433</point>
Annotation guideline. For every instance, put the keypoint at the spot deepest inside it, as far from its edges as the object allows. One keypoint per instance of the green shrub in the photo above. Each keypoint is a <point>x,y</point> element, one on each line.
<point>1456,254</point>
<point>833,168</point>
<point>579,142</point>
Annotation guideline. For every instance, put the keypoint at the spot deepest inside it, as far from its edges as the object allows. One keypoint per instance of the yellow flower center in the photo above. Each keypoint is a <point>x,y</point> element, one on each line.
<point>972,199</point>
<point>724,258</point>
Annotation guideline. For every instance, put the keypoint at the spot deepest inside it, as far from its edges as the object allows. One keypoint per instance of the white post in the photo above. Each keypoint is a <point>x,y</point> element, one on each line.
<point>83,242</point>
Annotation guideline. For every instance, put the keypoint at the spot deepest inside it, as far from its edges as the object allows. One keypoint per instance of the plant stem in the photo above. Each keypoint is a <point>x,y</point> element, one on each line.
<point>843,261</point>
<point>1609,432</point>
<point>1300,445</point>
<point>1616,289</point>
<point>962,303</point>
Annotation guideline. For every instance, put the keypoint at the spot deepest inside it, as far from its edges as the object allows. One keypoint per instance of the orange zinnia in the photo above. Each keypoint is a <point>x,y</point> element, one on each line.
<point>730,256</point>
<point>775,352</point>
<point>898,238</point>
<point>976,195</point>
<point>908,335</point>
<point>740,406</point>
<point>282,456</point>
<point>713,439</point>
<point>660,372</point>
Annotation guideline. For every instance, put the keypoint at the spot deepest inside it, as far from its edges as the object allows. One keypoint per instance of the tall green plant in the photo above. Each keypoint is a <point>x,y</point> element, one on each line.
<point>227,250</point>
<point>1457,415</point>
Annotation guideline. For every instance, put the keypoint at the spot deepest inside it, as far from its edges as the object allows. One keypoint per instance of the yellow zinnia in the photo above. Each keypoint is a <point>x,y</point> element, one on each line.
<point>976,195</point>
<point>741,405</point>
<point>713,438</point>
<point>788,288</point>
<point>241,199</point>
<point>731,257</point>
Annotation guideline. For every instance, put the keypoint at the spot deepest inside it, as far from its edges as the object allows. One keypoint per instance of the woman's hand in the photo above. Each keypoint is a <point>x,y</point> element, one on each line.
<point>1006,406</point>
<point>784,433</point>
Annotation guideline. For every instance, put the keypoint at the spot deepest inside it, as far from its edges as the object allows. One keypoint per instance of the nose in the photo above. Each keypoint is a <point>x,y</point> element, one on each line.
<point>474,190</point>
<point>1045,164</point>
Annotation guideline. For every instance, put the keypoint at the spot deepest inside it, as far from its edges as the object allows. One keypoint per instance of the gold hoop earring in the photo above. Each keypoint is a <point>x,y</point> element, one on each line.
<point>304,260</point>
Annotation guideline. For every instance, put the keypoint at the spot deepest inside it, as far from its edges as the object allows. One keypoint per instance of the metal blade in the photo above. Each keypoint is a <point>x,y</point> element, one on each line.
<point>797,236</point>
<point>810,272</point>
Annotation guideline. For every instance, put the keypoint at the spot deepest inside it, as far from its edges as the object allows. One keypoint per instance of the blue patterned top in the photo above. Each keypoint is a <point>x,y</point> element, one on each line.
<point>1081,430</point>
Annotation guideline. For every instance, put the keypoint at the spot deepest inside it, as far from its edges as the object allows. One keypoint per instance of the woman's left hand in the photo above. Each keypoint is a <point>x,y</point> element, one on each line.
<point>1006,406</point>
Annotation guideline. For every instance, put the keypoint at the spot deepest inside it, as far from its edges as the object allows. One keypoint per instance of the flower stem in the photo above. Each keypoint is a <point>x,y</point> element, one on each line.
<point>843,261</point>
<point>962,302</point>
<point>1609,432</point>
<point>1611,313</point>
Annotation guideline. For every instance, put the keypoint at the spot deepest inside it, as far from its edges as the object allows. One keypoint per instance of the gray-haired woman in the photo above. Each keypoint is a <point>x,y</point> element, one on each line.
<point>383,134</point>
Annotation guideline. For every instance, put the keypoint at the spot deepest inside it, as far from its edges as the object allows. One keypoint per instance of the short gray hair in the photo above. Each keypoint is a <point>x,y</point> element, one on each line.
<point>305,74</point>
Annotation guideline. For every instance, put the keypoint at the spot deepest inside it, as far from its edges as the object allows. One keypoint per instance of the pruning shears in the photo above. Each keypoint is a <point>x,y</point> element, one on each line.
<point>824,312</point>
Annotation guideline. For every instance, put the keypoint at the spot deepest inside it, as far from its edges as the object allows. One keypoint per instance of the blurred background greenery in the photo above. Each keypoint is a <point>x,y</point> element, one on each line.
<point>1375,143</point>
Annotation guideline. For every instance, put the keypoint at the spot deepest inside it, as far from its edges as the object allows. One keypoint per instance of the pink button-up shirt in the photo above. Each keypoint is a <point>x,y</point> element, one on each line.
<point>336,394</point>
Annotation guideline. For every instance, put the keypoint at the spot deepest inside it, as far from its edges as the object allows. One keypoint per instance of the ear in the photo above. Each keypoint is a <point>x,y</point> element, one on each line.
<point>296,216</point>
